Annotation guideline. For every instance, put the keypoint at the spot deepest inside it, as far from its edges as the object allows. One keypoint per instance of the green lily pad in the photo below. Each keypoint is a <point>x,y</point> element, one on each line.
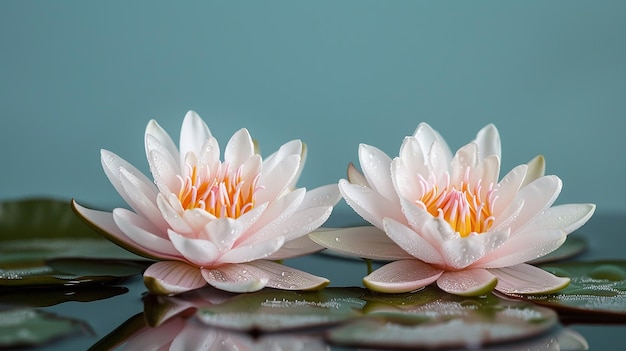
<point>274,310</point>
<point>28,327</point>
<point>574,245</point>
<point>35,229</point>
<point>431,318</point>
<point>597,291</point>
<point>67,272</point>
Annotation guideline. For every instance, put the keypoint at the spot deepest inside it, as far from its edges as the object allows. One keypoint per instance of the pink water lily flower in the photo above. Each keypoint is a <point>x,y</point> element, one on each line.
<point>213,222</point>
<point>447,219</point>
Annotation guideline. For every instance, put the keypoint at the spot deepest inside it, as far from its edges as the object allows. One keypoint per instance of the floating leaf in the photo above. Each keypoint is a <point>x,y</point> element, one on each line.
<point>27,327</point>
<point>36,229</point>
<point>574,245</point>
<point>272,310</point>
<point>67,271</point>
<point>596,293</point>
<point>431,318</point>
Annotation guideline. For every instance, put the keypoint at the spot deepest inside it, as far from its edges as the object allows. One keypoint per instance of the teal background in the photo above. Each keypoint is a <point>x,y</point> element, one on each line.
<point>78,76</point>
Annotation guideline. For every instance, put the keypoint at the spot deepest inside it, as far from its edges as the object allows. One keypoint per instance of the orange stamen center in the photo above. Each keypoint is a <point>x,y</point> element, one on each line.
<point>224,194</point>
<point>462,205</point>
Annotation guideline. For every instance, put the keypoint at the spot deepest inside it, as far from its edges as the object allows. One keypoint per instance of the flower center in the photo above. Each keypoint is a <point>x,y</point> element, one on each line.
<point>462,206</point>
<point>224,194</point>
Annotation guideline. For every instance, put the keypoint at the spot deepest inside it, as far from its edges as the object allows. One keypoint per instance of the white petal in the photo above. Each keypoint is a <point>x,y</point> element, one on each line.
<point>488,141</point>
<point>164,171</point>
<point>112,164</point>
<point>536,169</point>
<point>239,148</point>
<point>105,224</point>
<point>412,155</point>
<point>238,278</point>
<point>365,242</point>
<point>198,251</point>
<point>291,227</point>
<point>369,204</point>
<point>464,159</point>
<point>157,138</point>
<point>193,133</point>
<point>427,136</point>
<point>402,276</point>
<point>507,189</point>
<point>523,247</point>
<point>486,172</point>
<point>412,242</point>
<point>438,162</point>
<point>295,248</point>
<point>356,177</point>
<point>434,229</point>
<point>527,279</point>
<point>223,232</point>
<point>287,278</point>
<point>172,277</point>
<point>567,218</point>
<point>172,216</point>
<point>276,212</point>
<point>196,219</point>
<point>143,233</point>
<point>327,195</point>
<point>293,147</point>
<point>462,252</point>
<point>405,182</point>
<point>376,166</point>
<point>209,155</point>
<point>249,218</point>
<point>251,252</point>
<point>142,198</point>
<point>537,196</point>
<point>277,179</point>
<point>468,282</point>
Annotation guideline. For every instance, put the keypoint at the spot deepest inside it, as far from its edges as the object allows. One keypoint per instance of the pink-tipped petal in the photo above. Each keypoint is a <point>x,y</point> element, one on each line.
<point>198,251</point>
<point>142,198</point>
<point>164,171</point>
<point>157,138</point>
<point>412,242</point>
<point>536,196</point>
<point>488,141</point>
<point>468,282</point>
<point>295,248</point>
<point>276,180</point>
<point>366,242</point>
<point>536,169</point>
<point>527,279</point>
<point>522,248</point>
<point>237,278</point>
<point>402,276</point>
<point>327,195</point>
<point>298,224</point>
<point>193,133</point>
<point>223,232</point>
<point>172,277</point>
<point>293,147</point>
<point>507,189</point>
<point>112,164</point>
<point>356,177</point>
<point>251,252</point>
<point>376,169</point>
<point>287,278</point>
<point>239,148</point>
<point>143,234</point>
<point>370,205</point>
<point>567,218</point>
<point>104,223</point>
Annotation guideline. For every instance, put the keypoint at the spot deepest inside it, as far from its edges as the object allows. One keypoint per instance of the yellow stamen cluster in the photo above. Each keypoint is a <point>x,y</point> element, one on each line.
<point>224,194</point>
<point>462,205</point>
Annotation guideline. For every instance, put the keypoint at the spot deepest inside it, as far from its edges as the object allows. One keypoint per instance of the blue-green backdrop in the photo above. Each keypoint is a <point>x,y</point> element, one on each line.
<point>78,76</point>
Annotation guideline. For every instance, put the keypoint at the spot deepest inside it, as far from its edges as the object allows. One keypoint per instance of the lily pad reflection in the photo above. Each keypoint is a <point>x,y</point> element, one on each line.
<point>274,310</point>
<point>28,327</point>
<point>432,319</point>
